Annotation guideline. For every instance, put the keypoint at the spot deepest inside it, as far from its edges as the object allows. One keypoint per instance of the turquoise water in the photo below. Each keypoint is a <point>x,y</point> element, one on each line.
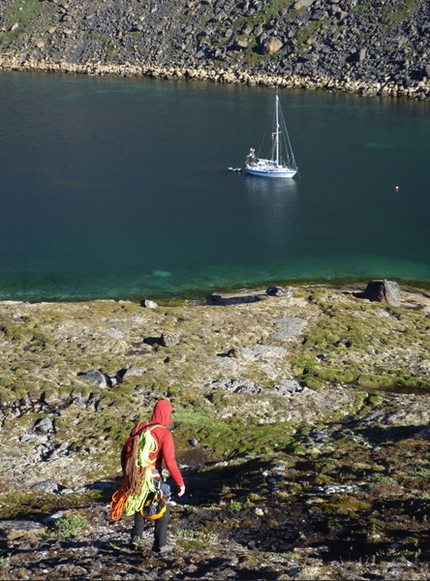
<point>118,188</point>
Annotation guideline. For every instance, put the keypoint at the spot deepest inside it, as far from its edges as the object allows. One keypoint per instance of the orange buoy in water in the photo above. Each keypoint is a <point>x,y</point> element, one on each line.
<point>397,188</point>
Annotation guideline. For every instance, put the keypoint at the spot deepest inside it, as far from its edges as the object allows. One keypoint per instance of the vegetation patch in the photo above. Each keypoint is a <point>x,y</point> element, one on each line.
<point>230,437</point>
<point>37,505</point>
<point>68,526</point>
<point>194,540</point>
<point>393,14</point>
<point>18,16</point>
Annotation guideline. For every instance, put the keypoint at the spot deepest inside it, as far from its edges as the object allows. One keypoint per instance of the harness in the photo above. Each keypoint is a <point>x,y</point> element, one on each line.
<point>139,482</point>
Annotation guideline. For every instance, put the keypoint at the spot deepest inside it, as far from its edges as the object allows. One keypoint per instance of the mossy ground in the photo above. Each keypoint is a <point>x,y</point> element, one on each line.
<point>338,472</point>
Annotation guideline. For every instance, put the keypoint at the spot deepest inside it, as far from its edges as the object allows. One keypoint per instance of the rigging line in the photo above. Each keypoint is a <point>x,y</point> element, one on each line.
<point>261,143</point>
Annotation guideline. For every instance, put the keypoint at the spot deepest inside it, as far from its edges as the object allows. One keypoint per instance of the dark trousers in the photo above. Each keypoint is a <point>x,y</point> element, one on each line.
<point>160,530</point>
<point>161,524</point>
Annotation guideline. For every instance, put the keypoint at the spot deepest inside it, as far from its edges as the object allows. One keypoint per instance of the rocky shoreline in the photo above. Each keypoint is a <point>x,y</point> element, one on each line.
<point>373,49</point>
<point>229,75</point>
<point>301,424</point>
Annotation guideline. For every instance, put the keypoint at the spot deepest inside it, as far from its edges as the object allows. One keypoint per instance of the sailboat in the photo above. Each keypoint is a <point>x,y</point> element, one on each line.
<point>282,163</point>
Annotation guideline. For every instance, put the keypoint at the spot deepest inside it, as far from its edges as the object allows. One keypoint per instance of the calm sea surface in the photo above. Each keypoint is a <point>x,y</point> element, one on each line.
<point>118,188</point>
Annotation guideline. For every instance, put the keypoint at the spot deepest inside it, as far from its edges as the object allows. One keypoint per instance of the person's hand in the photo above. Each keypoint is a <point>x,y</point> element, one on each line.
<point>181,491</point>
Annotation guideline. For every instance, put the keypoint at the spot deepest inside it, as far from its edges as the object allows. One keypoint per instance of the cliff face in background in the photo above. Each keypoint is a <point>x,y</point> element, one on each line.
<point>380,47</point>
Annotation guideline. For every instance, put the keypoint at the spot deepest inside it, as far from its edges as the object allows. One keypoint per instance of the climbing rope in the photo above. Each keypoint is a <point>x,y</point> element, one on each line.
<point>139,480</point>
<point>119,498</point>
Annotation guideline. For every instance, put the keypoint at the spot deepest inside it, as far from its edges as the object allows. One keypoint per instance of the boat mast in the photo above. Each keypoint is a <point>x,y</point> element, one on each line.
<point>277,131</point>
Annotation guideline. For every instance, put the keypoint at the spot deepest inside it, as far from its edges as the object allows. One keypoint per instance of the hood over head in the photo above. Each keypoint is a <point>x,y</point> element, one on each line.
<point>162,413</point>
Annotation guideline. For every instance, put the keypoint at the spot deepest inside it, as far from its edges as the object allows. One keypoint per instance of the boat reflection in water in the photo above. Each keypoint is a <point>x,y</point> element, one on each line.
<point>275,203</point>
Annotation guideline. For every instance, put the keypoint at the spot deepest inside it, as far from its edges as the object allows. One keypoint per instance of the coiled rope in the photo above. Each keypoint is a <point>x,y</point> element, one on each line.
<point>139,480</point>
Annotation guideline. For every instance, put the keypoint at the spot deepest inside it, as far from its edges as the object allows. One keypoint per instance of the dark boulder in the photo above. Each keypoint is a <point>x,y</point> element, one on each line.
<point>383,291</point>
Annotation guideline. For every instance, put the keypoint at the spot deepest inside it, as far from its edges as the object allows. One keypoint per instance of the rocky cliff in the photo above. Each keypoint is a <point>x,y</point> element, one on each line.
<point>377,48</point>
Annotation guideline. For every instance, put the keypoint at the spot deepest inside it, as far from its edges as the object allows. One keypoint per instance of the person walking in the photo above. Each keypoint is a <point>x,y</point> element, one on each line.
<point>164,452</point>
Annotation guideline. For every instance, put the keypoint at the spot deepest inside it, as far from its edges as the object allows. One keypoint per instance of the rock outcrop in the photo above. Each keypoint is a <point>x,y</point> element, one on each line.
<point>383,291</point>
<point>373,48</point>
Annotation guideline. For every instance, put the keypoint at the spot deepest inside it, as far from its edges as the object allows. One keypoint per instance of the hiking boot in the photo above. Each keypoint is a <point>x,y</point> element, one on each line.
<point>134,543</point>
<point>162,550</point>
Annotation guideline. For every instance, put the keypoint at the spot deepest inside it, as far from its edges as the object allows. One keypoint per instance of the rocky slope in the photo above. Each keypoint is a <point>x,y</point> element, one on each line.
<point>301,423</point>
<point>376,48</point>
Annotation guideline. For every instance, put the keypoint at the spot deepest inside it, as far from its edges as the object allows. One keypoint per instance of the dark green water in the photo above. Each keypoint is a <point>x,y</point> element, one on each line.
<point>118,188</point>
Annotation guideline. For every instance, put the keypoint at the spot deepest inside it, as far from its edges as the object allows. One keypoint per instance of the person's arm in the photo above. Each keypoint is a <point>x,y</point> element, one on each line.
<point>167,450</point>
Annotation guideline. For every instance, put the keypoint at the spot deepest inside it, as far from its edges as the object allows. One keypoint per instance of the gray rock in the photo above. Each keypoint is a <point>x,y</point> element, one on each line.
<point>289,327</point>
<point>214,299</point>
<point>336,489</point>
<point>277,291</point>
<point>20,525</point>
<point>53,517</point>
<point>50,399</point>
<point>115,333</point>
<point>44,425</point>
<point>236,386</point>
<point>383,291</point>
<point>259,351</point>
<point>271,46</point>
<point>299,4</point>
<point>168,339</point>
<point>45,486</point>
<point>148,304</point>
<point>134,371</point>
<point>95,377</point>
<point>241,44</point>
<point>288,387</point>
<point>34,439</point>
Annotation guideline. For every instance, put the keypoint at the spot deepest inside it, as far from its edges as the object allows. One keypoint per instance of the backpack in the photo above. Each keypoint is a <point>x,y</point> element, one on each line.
<point>139,483</point>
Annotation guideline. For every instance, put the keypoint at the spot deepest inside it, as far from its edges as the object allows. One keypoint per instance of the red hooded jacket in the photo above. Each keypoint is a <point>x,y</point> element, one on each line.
<point>166,449</point>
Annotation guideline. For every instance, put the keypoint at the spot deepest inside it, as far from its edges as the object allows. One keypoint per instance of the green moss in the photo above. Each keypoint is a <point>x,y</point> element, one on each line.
<point>7,395</point>
<point>20,12</point>
<point>370,381</point>
<point>17,331</point>
<point>306,32</point>
<point>97,37</point>
<point>270,9</point>
<point>229,437</point>
<point>234,506</point>
<point>337,343</point>
<point>37,505</point>
<point>5,380</point>
<point>346,505</point>
<point>393,14</point>
<point>68,526</point>
<point>194,540</point>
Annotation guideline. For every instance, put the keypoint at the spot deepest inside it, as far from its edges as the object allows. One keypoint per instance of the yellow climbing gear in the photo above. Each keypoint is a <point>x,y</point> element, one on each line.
<point>154,507</point>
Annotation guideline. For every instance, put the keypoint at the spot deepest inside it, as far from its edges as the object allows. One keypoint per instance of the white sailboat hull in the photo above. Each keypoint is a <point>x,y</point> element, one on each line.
<point>270,172</point>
